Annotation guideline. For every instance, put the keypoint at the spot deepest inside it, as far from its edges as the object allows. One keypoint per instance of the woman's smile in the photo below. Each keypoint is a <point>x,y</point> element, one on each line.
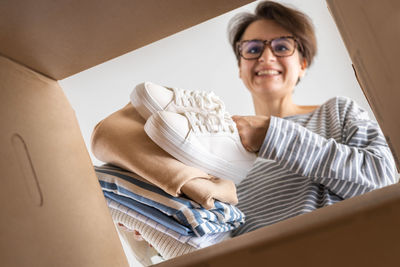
<point>268,72</point>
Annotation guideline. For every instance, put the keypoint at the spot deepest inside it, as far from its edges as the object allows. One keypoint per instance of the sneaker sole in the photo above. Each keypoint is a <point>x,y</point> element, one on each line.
<point>166,138</point>
<point>143,102</point>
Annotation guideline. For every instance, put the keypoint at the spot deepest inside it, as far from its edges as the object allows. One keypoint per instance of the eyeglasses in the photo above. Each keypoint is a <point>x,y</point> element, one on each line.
<point>281,47</point>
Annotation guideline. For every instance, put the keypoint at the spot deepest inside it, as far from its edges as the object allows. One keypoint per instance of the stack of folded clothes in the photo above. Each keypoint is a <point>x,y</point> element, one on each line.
<point>181,157</point>
<point>172,225</point>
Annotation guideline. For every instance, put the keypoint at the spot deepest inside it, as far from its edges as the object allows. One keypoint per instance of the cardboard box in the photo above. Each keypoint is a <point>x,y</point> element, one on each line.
<point>53,211</point>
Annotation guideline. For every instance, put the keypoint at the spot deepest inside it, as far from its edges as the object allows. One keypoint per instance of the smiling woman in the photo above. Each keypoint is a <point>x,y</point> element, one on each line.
<point>308,156</point>
<point>271,75</point>
<point>275,45</point>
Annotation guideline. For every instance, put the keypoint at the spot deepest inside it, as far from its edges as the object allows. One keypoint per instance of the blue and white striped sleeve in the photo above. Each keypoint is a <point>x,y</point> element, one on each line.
<point>356,162</point>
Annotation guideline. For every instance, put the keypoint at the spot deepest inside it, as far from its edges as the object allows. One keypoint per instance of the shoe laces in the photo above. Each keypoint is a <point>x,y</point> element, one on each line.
<point>204,110</point>
<point>214,122</point>
<point>192,100</point>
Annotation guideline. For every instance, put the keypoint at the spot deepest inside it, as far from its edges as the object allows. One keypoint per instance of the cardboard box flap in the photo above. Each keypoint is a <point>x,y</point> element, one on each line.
<point>361,231</point>
<point>53,211</point>
<point>371,33</point>
<point>61,38</point>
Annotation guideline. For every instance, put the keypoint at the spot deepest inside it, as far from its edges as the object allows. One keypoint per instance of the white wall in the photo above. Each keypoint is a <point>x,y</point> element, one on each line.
<point>201,58</point>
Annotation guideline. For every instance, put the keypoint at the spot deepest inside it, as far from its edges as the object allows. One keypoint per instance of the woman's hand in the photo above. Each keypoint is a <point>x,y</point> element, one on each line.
<point>252,130</point>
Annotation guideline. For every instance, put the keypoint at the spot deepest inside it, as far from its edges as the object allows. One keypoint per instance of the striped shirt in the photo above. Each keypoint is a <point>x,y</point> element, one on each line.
<point>312,160</point>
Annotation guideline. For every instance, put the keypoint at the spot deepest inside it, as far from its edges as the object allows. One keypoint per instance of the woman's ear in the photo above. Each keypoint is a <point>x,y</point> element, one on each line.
<point>240,69</point>
<point>303,67</point>
<point>304,64</point>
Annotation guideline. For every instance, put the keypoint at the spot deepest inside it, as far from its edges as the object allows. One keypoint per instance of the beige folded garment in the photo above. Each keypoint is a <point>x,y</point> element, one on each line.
<point>120,140</point>
<point>167,246</point>
<point>204,191</point>
<point>140,249</point>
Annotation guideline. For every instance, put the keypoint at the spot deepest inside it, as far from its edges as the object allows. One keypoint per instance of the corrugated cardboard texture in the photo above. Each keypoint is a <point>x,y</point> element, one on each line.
<point>371,33</point>
<point>53,212</point>
<point>61,38</point>
<point>362,231</point>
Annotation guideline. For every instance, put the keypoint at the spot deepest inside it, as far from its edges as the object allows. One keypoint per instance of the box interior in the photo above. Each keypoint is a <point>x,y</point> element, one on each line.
<point>371,34</point>
<point>54,213</point>
<point>57,215</point>
<point>342,233</point>
<point>62,38</point>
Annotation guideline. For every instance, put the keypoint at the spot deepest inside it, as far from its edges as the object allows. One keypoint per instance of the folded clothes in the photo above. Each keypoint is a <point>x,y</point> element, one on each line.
<point>140,249</point>
<point>222,218</point>
<point>120,140</point>
<point>165,245</point>
<point>130,215</point>
<point>149,212</point>
<point>206,190</point>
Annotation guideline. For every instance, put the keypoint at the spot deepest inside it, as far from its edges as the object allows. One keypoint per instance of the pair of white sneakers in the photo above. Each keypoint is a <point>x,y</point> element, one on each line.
<point>193,127</point>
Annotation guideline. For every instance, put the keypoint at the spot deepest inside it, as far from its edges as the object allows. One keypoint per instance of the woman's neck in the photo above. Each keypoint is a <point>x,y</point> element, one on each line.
<point>278,107</point>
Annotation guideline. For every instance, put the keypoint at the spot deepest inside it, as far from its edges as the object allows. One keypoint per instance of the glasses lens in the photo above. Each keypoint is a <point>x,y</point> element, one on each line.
<point>283,46</point>
<point>251,49</point>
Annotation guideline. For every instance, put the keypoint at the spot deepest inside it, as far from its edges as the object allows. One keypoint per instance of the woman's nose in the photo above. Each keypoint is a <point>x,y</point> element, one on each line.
<point>267,55</point>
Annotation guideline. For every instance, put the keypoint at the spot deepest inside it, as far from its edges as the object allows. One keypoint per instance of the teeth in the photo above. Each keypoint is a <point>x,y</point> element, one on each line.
<point>267,72</point>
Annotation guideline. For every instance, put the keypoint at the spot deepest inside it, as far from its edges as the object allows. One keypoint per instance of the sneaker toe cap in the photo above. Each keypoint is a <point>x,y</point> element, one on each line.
<point>161,95</point>
<point>176,121</point>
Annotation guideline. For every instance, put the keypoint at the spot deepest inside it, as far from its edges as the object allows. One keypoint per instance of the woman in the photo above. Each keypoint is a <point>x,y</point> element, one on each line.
<point>309,156</point>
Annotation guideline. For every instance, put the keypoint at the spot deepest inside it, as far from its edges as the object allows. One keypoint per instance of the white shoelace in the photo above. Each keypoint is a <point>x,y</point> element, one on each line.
<point>204,110</point>
<point>191,100</point>
<point>211,122</point>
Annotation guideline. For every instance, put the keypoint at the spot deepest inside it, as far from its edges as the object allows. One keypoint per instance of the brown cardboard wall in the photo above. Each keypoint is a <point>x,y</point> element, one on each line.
<point>53,212</point>
<point>361,231</point>
<point>61,38</point>
<point>371,33</point>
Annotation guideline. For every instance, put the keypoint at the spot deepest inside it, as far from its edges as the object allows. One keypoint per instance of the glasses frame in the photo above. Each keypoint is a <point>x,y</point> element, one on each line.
<point>267,43</point>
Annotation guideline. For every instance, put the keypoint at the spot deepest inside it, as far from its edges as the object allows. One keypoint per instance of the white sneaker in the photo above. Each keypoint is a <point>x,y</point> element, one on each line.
<point>208,141</point>
<point>148,98</point>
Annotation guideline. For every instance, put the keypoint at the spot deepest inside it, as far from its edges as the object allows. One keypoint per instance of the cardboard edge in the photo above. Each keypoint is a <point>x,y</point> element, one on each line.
<point>335,216</point>
<point>36,205</point>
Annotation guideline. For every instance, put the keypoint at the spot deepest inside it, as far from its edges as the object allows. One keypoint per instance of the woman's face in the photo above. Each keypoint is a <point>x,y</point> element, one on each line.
<point>270,77</point>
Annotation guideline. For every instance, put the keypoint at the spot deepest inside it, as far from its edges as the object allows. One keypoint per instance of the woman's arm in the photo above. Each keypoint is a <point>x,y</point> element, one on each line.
<point>360,162</point>
<point>357,162</point>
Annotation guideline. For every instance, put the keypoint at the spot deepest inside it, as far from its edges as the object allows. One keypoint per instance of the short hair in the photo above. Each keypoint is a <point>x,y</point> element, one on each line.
<point>294,21</point>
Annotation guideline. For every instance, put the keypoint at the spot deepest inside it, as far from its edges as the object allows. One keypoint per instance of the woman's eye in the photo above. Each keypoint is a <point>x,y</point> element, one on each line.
<point>281,48</point>
<point>254,49</point>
